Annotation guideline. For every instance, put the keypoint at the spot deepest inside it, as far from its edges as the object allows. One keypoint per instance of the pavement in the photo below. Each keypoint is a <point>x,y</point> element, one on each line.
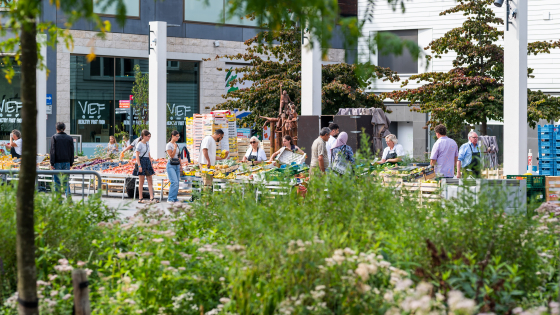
<point>127,206</point>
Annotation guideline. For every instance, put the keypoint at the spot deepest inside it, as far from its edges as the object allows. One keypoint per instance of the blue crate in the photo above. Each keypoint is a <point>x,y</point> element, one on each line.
<point>547,150</point>
<point>550,156</point>
<point>547,142</point>
<point>548,136</point>
<point>547,172</point>
<point>548,129</point>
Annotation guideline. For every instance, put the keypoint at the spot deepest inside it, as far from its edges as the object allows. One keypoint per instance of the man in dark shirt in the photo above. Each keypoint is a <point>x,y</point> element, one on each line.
<point>62,154</point>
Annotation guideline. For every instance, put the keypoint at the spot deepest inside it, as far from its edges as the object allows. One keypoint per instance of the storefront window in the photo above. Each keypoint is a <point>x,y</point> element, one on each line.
<point>97,89</point>
<point>10,106</point>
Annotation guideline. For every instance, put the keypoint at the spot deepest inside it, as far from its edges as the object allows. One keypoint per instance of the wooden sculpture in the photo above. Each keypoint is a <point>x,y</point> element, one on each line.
<point>285,124</point>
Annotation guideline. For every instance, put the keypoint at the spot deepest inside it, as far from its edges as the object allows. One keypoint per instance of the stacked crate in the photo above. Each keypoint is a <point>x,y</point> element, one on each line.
<point>265,145</point>
<point>549,140</point>
<point>189,136</point>
<point>242,146</point>
<point>232,136</point>
<point>553,189</point>
<point>202,126</point>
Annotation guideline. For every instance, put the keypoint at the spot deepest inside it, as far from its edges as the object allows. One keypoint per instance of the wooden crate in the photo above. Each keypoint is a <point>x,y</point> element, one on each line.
<point>492,174</point>
<point>552,186</point>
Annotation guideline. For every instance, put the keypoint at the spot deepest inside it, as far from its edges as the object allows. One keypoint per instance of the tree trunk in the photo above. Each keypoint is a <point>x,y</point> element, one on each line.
<point>483,127</point>
<point>27,275</point>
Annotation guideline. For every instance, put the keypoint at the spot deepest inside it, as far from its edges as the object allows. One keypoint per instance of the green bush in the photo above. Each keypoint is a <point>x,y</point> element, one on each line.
<point>351,246</point>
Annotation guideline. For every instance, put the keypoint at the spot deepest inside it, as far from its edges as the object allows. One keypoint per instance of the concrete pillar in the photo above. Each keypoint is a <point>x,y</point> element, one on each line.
<point>41,87</point>
<point>158,88</point>
<point>310,77</point>
<point>515,91</point>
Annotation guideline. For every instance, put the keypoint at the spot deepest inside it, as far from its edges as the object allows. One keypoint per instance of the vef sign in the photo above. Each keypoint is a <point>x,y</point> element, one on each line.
<point>9,112</point>
<point>177,114</point>
<point>92,113</point>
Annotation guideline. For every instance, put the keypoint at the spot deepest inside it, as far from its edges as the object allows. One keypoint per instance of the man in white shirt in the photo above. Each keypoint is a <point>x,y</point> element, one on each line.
<point>335,130</point>
<point>208,148</point>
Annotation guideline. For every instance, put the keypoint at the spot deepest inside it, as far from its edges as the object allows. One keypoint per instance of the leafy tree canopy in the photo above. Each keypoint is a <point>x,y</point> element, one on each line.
<point>472,92</point>
<point>273,65</point>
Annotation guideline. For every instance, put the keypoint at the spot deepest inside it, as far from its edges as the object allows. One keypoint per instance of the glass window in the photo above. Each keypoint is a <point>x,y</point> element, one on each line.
<point>182,94</point>
<point>199,11</point>
<point>92,98</point>
<point>132,8</point>
<point>10,106</point>
<point>404,63</point>
<point>235,20</point>
<point>97,88</point>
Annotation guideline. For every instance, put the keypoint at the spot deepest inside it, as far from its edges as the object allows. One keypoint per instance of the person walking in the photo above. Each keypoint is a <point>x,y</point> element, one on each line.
<point>319,154</point>
<point>335,131</point>
<point>15,144</point>
<point>145,169</point>
<point>61,155</point>
<point>470,157</point>
<point>444,153</point>
<point>173,166</point>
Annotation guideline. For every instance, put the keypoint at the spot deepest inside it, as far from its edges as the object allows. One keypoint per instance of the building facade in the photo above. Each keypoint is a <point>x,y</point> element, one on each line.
<point>422,23</point>
<point>86,95</point>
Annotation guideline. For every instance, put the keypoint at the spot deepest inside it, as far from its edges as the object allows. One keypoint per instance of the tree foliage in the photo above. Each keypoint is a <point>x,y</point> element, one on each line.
<point>472,92</point>
<point>273,65</point>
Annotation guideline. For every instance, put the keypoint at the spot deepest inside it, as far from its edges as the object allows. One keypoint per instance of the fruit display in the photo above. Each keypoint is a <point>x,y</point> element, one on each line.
<point>82,166</point>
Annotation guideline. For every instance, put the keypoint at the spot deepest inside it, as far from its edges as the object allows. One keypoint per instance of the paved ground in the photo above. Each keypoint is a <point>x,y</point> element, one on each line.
<point>126,207</point>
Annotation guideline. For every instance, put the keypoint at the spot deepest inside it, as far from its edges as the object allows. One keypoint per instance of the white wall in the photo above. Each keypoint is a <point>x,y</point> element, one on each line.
<point>406,136</point>
<point>424,16</point>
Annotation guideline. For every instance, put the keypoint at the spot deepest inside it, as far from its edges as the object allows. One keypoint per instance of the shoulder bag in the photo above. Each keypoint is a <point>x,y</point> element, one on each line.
<point>136,164</point>
<point>174,161</point>
<point>340,163</point>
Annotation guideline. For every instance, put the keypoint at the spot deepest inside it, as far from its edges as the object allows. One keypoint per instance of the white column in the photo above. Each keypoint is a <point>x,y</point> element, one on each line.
<point>310,77</point>
<point>515,91</point>
<point>158,88</point>
<point>41,87</point>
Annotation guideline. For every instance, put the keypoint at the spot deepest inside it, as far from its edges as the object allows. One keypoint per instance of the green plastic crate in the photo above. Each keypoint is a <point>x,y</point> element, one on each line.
<point>536,195</point>
<point>533,181</point>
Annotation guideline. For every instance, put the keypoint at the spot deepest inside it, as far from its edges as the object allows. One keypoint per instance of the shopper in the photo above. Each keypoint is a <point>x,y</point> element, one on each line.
<point>145,169</point>
<point>332,139</point>
<point>173,166</point>
<point>393,152</point>
<point>208,148</point>
<point>15,144</point>
<point>62,154</point>
<point>444,153</point>
<point>112,147</point>
<point>288,143</point>
<point>132,146</point>
<point>254,154</point>
<point>470,157</point>
<point>340,147</point>
<point>319,154</point>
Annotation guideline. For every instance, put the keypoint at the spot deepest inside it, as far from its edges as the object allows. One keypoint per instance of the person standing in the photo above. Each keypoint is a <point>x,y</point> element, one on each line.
<point>173,166</point>
<point>112,147</point>
<point>335,130</point>
<point>470,157</point>
<point>254,154</point>
<point>62,154</point>
<point>393,152</point>
<point>15,144</point>
<point>319,154</point>
<point>208,148</point>
<point>444,153</point>
<point>145,169</point>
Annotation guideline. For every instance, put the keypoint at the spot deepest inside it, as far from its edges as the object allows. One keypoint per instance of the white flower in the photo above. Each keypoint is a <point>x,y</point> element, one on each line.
<point>81,263</point>
<point>224,300</point>
<point>165,262</point>
<point>66,297</point>
<point>63,261</point>
<point>222,279</point>
<point>403,285</point>
<point>363,271</point>
<point>182,268</point>
<point>458,304</point>
<point>126,280</point>
<point>121,255</point>
<point>158,240</point>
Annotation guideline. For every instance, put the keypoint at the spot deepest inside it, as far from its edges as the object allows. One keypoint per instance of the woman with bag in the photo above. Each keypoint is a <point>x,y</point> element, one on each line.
<point>342,156</point>
<point>143,167</point>
<point>173,166</point>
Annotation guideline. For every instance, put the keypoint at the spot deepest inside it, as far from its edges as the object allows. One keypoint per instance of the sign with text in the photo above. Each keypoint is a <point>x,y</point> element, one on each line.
<point>92,113</point>
<point>9,112</point>
<point>49,99</point>
<point>124,104</point>
<point>176,114</point>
